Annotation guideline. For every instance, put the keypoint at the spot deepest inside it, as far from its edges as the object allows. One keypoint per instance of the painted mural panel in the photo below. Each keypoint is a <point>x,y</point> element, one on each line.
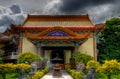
<point>57,33</point>
<point>54,43</point>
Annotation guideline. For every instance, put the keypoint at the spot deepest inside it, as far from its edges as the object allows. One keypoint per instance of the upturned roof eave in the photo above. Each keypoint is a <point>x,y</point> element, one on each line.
<point>38,37</point>
<point>71,28</point>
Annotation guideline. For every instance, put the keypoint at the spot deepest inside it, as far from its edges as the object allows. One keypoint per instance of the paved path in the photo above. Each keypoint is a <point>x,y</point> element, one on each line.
<point>49,75</point>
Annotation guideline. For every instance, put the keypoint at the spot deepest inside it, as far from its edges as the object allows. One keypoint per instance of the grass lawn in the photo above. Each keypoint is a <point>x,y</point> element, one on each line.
<point>103,76</point>
<point>11,76</point>
<point>100,76</point>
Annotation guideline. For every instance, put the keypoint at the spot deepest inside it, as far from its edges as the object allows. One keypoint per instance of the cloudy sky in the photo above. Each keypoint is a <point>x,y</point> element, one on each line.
<point>15,11</point>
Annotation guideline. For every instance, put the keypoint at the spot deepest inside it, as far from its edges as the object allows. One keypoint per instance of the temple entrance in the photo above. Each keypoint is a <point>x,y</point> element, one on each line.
<point>61,53</point>
<point>57,56</point>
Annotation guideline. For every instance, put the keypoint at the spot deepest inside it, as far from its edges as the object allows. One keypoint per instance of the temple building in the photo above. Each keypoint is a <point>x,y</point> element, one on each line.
<point>58,35</point>
<point>9,46</point>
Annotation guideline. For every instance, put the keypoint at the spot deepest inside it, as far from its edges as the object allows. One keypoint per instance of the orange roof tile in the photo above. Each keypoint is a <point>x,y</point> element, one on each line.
<point>1,36</point>
<point>57,20</point>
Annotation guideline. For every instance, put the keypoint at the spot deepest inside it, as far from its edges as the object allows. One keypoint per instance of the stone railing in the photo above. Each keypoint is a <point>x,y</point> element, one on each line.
<point>13,55</point>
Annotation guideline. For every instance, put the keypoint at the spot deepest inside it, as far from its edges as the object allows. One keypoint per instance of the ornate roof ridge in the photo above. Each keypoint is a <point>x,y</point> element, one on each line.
<point>57,16</point>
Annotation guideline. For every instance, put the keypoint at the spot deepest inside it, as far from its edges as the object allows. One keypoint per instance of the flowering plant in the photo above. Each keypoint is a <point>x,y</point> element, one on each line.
<point>110,67</point>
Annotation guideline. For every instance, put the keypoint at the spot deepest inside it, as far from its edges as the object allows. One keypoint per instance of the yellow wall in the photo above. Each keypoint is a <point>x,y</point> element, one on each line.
<point>87,47</point>
<point>67,56</point>
<point>47,54</point>
<point>27,46</point>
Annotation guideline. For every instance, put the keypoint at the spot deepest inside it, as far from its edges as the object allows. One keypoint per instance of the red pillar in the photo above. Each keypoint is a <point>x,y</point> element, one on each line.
<point>95,47</point>
<point>20,43</point>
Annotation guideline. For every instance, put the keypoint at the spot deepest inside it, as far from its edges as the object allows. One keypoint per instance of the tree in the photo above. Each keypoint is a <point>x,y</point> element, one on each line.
<point>82,58</point>
<point>1,54</point>
<point>111,67</point>
<point>109,41</point>
<point>28,57</point>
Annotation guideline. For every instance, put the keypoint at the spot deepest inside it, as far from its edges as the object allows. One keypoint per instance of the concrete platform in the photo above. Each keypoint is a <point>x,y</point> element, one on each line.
<point>49,75</point>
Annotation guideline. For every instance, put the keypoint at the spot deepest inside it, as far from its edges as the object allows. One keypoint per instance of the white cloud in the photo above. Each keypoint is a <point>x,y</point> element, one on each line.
<point>99,13</point>
<point>3,28</point>
<point>52,7</point>
<point>9,16</point>
<point>4,10</point>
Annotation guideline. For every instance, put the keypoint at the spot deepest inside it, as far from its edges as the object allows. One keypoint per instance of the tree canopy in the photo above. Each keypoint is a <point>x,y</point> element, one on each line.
<point>82,58</point>
<point>109,40</point>
<point>1,52</point>
<point>28,57</point>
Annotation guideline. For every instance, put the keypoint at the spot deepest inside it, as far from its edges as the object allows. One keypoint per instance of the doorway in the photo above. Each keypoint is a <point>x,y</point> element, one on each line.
<point>57,54</point>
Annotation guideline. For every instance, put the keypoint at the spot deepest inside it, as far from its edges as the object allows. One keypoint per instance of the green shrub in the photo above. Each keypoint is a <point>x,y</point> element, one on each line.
<point>74,74</point>
<point>94,64</point>
<point>2,52</point>
<point>1,61</point>
<point>78,75</point>
<point>45,70</point>
<point>100,75</point>
<point>111,67</point>
<point>38,75</point>
<point>72,63</point>
<point>11,68</point>
<point>68,70</point>
<point>41,73</point>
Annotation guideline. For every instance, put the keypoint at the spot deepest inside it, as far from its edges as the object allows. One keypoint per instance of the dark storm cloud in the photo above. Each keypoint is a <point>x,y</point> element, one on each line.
<point>15,9</point>
<point>98,10</point>
<point>100,14</point>
<point>71,6</point>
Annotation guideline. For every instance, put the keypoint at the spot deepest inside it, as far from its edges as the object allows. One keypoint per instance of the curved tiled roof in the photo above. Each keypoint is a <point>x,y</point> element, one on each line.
<point>58,20</point>
<point>72,22</point>
<point>1,36</point>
